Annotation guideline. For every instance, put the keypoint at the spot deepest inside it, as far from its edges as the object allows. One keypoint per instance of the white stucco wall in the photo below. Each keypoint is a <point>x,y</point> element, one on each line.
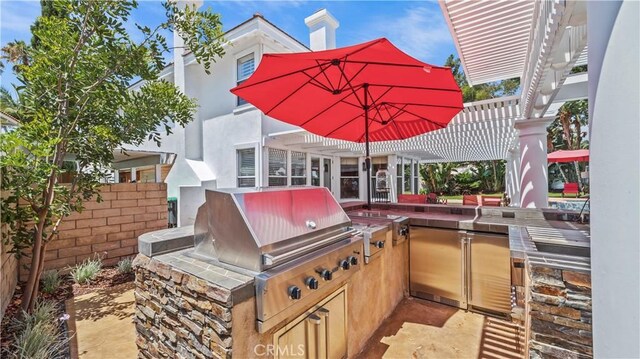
<point>614,82</point>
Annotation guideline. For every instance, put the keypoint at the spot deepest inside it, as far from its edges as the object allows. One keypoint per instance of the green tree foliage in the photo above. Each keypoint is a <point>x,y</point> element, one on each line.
<point>74,99</point>
<point>568,132</point>
<point>480,176</point>
<point>481,91</point>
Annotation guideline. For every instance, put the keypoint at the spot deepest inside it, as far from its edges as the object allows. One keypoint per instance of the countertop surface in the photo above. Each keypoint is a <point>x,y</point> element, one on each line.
<point>525,229</point>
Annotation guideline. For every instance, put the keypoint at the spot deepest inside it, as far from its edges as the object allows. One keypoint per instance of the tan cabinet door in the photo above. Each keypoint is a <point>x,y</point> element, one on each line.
<point>334,315</point>
<point>299,341</point>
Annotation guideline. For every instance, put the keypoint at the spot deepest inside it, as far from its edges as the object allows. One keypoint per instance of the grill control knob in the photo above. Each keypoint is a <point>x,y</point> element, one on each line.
<point>404,231</point>
<point>295,293</point>
<point>378,244</point>
<point>326,275</point>
<point>312,283</point>
<point>353,260</point>
<point>345,264</point>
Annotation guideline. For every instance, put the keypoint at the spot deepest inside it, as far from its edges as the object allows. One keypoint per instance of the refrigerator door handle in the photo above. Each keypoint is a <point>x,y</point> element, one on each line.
<point>465,280</point>
<point>468,272</point>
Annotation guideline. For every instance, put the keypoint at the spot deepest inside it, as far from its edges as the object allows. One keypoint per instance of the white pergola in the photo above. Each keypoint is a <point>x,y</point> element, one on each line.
<point>538,42</point>
<point>484,130</point>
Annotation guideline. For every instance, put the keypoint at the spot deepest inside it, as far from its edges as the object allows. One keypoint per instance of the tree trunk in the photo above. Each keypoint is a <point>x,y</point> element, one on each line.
<point>575,165</point>
<point>30,293</point>
<point>562,173</point>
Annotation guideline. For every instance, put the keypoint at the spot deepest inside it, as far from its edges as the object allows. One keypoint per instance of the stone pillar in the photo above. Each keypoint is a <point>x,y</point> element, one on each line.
<point>614,90</point>
<point>512,176</point>
<point>533,179</point>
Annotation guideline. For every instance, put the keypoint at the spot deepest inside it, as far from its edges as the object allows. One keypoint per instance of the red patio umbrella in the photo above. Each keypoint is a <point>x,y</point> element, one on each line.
<point>568,156</point>
<point>361,93</point>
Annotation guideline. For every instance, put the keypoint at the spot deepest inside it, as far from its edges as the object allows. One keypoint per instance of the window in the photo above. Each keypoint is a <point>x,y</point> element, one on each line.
<point>245,67</point>
<point>349,178</point>
<point>406,164</point>
<point>246,167</point>
<point>315,171</point>
<point>277,167</point>
<point>298,168</point>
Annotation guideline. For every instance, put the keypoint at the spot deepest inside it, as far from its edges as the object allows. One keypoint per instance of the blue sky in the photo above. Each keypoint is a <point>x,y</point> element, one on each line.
<point>417,27</point>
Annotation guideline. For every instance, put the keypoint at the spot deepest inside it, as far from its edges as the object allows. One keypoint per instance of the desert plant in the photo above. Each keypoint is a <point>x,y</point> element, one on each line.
<point>38,334</point>
<point>125,265</point>
<point>50,281</point>
<point>86,271</point>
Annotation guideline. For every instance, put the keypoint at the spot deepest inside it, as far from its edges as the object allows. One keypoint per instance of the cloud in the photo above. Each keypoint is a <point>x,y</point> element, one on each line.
<point>16,17</point>
<point>420,31</point>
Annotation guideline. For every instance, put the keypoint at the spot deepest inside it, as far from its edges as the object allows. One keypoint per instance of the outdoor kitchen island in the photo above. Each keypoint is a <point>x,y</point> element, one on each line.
<point>314,292</point>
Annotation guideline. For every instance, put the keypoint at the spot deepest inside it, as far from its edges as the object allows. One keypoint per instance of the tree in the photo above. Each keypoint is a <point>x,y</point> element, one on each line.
<point>487,175</point>
<point>74,100</point>
<point>481,91</point>
<point>567,132</point>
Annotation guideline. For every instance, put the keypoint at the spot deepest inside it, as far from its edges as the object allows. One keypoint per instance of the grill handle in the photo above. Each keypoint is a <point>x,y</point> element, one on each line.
<point>269,259</point>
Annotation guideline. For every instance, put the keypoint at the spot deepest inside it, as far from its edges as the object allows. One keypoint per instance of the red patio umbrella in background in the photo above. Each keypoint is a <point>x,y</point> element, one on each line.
<point>562,156</point>
<point>361,93</point>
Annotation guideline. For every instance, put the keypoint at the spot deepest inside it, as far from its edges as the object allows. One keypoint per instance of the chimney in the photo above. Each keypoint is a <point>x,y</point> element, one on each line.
<point>178,46</point>
<point>322,30</point>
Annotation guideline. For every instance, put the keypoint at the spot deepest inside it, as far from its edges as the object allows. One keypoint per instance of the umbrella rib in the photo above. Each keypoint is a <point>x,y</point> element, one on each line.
<point>281,76</point>
<point>341,126</point>
<point>348,83</point>
<point>325,110</point>
<point>422,65</point>
<point>416,87</point>
<point>330,87</point>
<point>423,105</point>
<point>418,116</point>
<point>295,91</point>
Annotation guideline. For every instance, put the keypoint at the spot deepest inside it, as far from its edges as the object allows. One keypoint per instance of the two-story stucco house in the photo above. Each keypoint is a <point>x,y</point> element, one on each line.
<point>230,143</point>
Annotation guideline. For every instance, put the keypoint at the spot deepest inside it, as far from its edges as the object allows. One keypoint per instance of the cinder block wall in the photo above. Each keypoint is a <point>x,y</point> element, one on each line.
<point>110,228</point>
<point>8,276</point>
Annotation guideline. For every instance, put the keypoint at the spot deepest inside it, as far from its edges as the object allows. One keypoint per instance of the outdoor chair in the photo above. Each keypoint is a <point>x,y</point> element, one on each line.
<point>571,188</point>
<point>412,198</point>
<point>470,200</point>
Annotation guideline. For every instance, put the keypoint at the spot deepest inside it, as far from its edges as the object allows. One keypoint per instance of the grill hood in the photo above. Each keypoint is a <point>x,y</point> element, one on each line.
<point>257,229</point>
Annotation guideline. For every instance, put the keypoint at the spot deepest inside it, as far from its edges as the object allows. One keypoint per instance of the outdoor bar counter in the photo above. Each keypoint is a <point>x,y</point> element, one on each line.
<point>186,305</point>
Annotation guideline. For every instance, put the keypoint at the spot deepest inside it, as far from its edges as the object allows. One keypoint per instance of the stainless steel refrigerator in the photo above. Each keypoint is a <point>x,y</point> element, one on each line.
<point>469,270</point>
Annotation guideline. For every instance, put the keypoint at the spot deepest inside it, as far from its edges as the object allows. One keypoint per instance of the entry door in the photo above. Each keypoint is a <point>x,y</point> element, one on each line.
<point>326,171</point>
<point>316,171</point>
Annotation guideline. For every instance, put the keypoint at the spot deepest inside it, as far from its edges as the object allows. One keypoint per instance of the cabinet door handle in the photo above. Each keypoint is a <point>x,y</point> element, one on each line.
<point>313,328</point>
<point>324,314</point>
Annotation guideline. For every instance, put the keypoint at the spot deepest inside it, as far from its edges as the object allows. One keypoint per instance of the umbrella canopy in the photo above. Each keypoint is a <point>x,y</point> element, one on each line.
<point>361,93</point>
<point>568,156</point>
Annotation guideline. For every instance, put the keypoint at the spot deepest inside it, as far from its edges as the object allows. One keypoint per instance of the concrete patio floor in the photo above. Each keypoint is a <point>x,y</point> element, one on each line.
<point>103,324</point>
<point>421,329</point>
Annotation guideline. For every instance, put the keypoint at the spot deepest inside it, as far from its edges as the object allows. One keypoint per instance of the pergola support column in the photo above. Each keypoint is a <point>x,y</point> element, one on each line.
<point>533,176</point>
<point>512,176</point>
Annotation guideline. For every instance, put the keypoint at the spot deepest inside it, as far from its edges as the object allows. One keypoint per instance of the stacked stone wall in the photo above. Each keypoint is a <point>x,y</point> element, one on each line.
<point>179,315</point>
<point>560,313</point>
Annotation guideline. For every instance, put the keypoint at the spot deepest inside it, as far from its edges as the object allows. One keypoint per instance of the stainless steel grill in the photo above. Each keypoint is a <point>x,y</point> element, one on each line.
<point>298,242</point>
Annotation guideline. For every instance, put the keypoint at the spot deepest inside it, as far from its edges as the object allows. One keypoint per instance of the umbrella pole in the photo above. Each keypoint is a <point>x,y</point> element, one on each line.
<point>367,159</point>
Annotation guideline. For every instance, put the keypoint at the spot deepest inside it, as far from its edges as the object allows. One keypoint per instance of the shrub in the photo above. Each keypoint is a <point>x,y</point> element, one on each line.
<point>86,271</point>
<point>38,334</point>
<point>50,281</point>
<point>125,265</point>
